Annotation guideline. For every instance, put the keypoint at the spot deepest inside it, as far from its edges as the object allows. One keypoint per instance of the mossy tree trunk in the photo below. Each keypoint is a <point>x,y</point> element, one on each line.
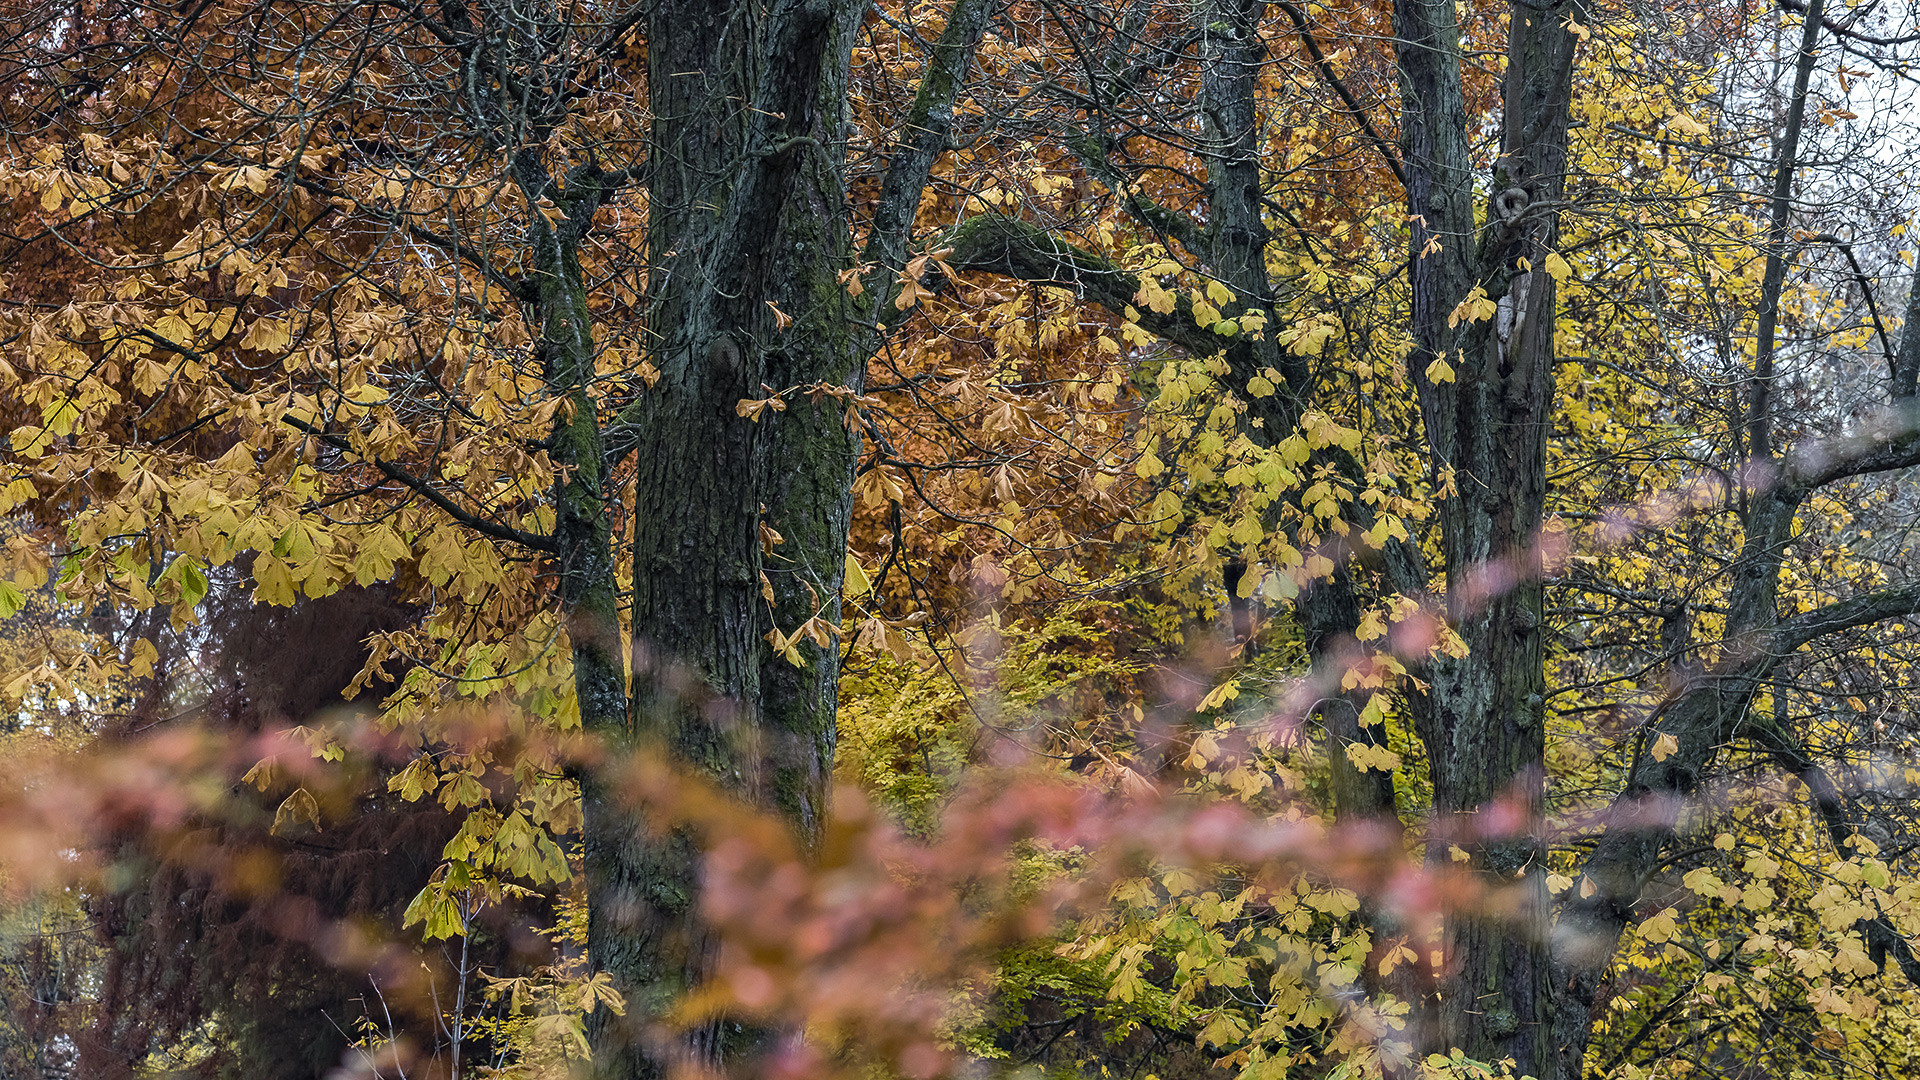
<point>740,525</point>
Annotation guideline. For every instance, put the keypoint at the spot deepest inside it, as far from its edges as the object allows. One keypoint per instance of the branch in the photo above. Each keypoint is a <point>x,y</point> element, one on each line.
<point>1845,615</point>
<point>1879,935</point>
<point>998,244</point>
<point>1873,305</point>
<point>1890,442</point>
<point>621,436</point>
<point>428,492</point>
<point>519,288</point>
<point>1702,717</point>
<point>929,127</point>
<point>1169,223</point>
<point>1759,414</point>
<point>1333,80</point>
<point>1842,30</point>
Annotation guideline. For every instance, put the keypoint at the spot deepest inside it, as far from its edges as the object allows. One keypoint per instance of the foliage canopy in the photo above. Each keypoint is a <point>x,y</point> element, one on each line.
<point>1336,539</point>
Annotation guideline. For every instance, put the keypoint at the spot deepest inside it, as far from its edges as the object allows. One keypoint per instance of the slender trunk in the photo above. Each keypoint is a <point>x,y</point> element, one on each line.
<point>1705,714</point>
<point>583,526</point>
<point>1779,212</point>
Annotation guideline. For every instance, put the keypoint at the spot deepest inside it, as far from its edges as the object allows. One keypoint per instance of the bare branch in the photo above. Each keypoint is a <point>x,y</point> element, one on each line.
<point>428,492</point>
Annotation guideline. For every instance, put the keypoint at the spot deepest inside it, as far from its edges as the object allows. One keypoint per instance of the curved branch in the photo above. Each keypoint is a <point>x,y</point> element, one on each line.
<point>1891,442</point>
<point>997,244</point>
<point>1845,30</point>
<point>428,492</point>
<point>929,127</point>
<point>1702,717</point>
<point>1874,607</point>
<point>1332,78</point>
<point>1879,935</point>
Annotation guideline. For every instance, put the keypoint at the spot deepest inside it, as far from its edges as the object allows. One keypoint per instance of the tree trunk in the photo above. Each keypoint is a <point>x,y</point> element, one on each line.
<point>747,225</point>
<point>741,525</point>
<point>1483,720</point>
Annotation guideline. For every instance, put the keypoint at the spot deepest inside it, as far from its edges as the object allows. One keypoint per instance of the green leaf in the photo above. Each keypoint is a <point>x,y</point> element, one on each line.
<point>11,599</point>
<point>193,582</point>
<point>437,910</point>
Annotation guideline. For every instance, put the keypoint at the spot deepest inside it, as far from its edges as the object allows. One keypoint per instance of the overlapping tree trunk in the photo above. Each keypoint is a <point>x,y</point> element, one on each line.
<point>741,524</point>
<point>1482,720</point>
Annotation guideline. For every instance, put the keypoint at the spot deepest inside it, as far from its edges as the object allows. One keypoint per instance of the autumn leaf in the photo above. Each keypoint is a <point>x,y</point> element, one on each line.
<point>1475,308</point>
<point>294,809</point>
<point>1664,746</point>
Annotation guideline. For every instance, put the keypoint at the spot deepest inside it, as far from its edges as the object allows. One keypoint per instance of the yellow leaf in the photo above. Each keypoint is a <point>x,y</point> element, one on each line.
<point>1219,696</point>
<point>140,664</point>
<point>375,554</point>
<point>1279,588</point>
<point>1661,927</point>
<point>1154,298</point>
<point>262,775</point>
<point>297,807</point>
<point>1686,125</point>
<point>274,581</point>
<point>1475,308</point>
<point>1439,371</point>
<point>1399,954</point>
<point>1375,711</point>
<point>1375,758</point>
<point>1665,746</point>
<point>148,377</point>
<point>857,583</point>
<point>1557,267</point>
<point>416,780</point>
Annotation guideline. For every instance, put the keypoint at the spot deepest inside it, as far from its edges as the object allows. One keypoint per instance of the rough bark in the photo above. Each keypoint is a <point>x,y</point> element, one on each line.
<point>1235,241</point>
<point>744,217</point>
<point>748,223</point>
<point>1482,721</point>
